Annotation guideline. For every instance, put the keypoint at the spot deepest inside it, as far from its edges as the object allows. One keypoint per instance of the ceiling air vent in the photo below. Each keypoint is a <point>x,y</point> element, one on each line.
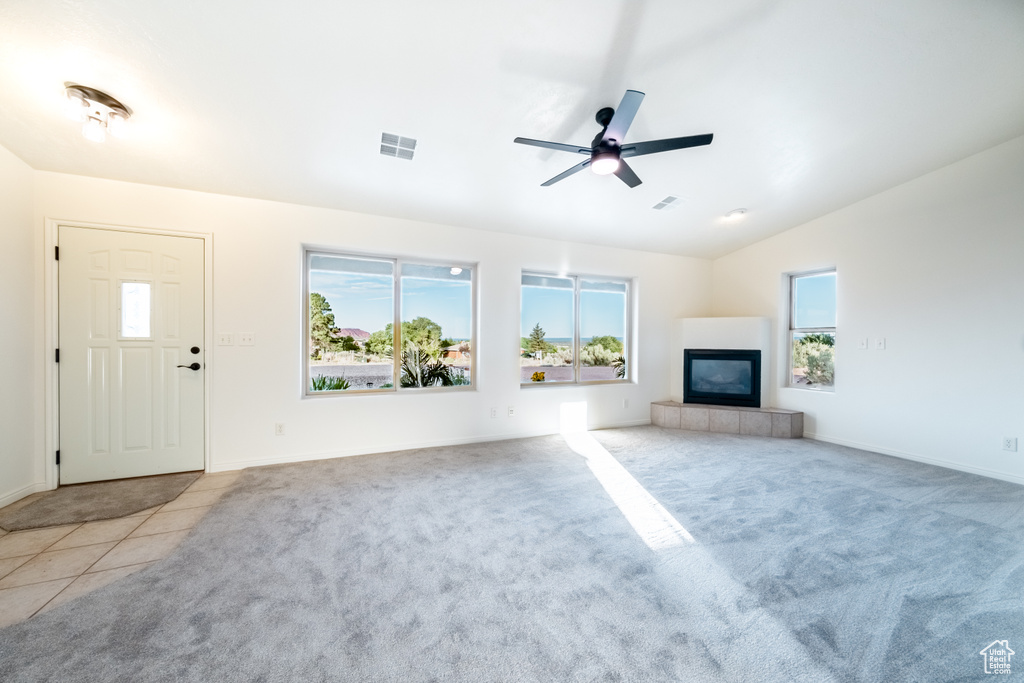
<point>668,202</point>
<point>396,146</point>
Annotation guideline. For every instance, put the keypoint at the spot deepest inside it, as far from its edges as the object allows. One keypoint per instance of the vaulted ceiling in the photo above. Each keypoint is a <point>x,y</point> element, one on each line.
<point>813,104</point>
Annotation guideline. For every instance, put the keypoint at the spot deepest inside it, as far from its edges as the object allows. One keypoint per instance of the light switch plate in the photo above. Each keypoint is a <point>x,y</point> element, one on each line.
<point>246,339</point>
<point>862,343</point>
<point>880,344</point>
<point>225,339</point>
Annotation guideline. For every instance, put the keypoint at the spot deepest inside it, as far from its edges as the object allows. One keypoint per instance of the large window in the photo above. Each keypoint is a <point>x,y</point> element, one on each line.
<point>573,329</point>
<point>812,330</point>
<point>361,308</point>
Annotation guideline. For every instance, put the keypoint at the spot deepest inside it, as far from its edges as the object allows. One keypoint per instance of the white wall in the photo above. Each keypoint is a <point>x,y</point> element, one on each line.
<point>936,267</point>
<point>932,266</point>
<point>257,288</point>
<point>21,470</point>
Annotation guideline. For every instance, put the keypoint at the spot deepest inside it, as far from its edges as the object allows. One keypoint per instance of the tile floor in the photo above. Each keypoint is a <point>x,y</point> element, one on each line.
<point>43,568</point>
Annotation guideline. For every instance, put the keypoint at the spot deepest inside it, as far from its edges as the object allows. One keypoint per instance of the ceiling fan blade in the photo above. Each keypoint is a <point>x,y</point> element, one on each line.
<point>575,149</point>
<point>623,117</point>
<point>627,175</point>
<point>565,174</point>
<point>654,146</point>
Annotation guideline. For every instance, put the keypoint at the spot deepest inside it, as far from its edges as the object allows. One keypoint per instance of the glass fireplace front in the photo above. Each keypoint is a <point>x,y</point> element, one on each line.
<point>722,377</point>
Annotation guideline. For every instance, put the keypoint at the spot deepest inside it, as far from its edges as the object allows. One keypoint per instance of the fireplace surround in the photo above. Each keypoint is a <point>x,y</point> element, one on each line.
<point>725,377</point>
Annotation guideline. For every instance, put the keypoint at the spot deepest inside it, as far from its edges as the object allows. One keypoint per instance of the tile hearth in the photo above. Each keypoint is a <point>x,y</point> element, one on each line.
<point>775,422</point>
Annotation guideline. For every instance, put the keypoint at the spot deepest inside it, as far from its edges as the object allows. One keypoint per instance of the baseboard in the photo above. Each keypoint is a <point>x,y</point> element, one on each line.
<point>408,446</point>
<point>15,496</point>
<point>993,474</point>
<point>390,448</point>
<point>627,423</point>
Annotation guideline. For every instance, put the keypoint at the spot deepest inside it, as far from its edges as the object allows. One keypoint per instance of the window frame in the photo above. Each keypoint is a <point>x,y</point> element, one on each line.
<point>309,251</point>
<point>793,330</point>
<point>627,341</point>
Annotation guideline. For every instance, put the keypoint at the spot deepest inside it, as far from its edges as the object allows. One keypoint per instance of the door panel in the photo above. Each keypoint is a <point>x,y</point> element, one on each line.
<point>99,400</point>
<point>136,399</point>
<point>130,308</point>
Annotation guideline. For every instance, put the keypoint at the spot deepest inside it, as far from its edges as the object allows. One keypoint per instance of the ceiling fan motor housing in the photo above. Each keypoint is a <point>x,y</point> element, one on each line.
<point>604,116</point>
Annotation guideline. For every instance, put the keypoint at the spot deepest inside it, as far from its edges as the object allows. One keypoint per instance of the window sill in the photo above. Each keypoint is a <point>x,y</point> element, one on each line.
<point>584,383</point>
<point>390,391</point>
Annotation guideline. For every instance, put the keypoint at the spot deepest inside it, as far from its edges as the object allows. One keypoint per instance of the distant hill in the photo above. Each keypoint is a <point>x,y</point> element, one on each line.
<point>353,332</point>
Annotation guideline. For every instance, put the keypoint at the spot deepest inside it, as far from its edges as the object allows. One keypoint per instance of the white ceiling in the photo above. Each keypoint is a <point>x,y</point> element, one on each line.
<point>814,104</point>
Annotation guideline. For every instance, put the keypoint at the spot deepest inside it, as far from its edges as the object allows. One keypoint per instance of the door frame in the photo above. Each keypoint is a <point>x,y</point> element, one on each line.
<point>51,439</point>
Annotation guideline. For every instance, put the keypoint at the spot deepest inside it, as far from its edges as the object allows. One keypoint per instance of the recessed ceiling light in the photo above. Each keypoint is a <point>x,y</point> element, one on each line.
<point>734,215</point>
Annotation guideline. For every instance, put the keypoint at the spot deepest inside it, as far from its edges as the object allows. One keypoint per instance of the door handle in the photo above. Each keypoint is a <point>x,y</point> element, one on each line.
<point>193,366</point>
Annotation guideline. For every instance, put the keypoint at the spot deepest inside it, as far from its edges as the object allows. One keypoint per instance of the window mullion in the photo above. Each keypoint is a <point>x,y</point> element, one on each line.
<point>306,327</point>
<point>576,329</point>
<point>396,343</point>
<point>627,336</point>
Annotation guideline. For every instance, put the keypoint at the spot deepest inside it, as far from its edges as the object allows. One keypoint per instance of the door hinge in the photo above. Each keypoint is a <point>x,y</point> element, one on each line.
<point>56,253</point>
<point>58,457</point>
<point>56,355</point>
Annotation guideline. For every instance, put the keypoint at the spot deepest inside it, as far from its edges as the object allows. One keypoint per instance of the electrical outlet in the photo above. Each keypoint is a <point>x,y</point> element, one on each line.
<point>511,411</point>
<point>494,412</point>
<point>247,339</point>
<point>279,429</point>
<point>225,339</point>
<point>880,344</point>
<point>1009,443</point>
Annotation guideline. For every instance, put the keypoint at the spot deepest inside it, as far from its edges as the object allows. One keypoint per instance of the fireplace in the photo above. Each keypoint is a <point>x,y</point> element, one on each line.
<point>723,377</point>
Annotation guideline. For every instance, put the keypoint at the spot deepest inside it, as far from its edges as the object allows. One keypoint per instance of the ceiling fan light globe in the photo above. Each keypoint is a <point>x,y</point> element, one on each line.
<point>75,106</point>
<point>94,130</point>
<point>116,124</point>
<point>605,165</point>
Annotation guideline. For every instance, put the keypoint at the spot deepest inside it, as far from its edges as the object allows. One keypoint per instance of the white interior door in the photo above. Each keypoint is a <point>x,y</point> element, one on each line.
<point>131,318</point>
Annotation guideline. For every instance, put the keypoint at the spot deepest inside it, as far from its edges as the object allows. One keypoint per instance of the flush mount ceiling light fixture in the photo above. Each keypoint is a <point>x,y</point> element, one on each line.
<point>734,216</point>
<point>98,111</point>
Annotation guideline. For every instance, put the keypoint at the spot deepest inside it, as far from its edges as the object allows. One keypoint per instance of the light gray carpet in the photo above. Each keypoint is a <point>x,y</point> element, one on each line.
<point>100,500</point>
<point>510,561</point>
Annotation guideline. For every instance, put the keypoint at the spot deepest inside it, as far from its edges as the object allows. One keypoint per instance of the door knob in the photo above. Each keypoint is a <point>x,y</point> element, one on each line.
<point>194,366</point>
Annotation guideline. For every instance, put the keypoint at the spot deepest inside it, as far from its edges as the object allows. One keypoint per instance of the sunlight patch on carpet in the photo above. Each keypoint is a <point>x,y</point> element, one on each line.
<point>651,521</point>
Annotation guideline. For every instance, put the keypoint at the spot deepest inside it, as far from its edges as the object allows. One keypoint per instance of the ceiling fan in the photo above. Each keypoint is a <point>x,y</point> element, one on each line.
<point>607,151</point>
